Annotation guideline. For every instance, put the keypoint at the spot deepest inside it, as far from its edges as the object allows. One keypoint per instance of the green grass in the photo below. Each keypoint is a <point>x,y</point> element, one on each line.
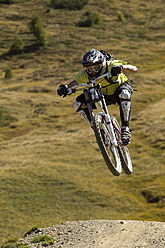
<point>6,118</point>
<point>51,170</point>
<point>12,243</point>
<point>32,229</point>
<point>45,239</point>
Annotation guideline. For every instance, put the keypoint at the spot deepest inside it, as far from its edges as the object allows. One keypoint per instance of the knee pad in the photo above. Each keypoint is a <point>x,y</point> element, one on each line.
<point>125,95</point>
<point>83,112</point>
<point>85,115</point>
<point>77,105</point>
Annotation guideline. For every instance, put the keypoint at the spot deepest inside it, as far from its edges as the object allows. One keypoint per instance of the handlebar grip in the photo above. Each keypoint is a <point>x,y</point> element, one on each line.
<point>71,91</point>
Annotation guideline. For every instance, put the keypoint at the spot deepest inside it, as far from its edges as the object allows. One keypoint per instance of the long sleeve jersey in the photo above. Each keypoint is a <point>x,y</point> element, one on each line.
<point>108,88</point>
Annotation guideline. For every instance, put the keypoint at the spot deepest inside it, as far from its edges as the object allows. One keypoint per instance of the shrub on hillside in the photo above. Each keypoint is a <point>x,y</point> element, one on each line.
<point>121,17</point>
<point>68,4</point>
<point>17,45</point>
<point>6,1</point>
<point>36,27</point>
<point>90,20</point>
<point>8,73</point>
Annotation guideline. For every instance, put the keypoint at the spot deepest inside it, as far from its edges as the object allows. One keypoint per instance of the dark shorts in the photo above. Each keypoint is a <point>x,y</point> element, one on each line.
<point>110,99</point>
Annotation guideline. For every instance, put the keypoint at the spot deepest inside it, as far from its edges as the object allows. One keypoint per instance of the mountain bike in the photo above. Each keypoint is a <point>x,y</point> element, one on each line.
<point>106,128</point>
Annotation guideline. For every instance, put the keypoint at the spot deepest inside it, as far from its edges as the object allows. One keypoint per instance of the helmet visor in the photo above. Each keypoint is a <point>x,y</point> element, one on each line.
<point>93,68</point>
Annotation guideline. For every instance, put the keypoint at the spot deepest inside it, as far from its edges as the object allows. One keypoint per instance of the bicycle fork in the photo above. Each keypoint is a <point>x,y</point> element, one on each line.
<point>101,106</point>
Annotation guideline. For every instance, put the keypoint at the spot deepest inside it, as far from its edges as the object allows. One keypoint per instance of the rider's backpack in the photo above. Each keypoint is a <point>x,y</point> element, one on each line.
<point>107,55</point>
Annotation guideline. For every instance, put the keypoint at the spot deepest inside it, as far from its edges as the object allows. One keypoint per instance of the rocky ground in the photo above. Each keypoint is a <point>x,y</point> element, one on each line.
<point>101,234</point>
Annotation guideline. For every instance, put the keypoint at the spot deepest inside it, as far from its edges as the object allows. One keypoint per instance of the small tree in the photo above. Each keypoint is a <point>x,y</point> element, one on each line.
<point>91,19</point>
<point>36,27</point>
<point>121,17</point>
<point>68,4</point>
<point>8,73</point>
<point>17,45</point>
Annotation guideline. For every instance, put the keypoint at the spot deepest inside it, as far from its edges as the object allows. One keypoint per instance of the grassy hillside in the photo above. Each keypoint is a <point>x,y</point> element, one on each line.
<point>51,170</point>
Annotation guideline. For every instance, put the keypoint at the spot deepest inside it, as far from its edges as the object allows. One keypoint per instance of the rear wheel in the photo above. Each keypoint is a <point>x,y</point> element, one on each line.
<point>109,152</point>
<point>123,150</point>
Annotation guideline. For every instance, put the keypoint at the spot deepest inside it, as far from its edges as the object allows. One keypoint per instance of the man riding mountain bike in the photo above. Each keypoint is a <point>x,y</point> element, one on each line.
<point>116,89</point>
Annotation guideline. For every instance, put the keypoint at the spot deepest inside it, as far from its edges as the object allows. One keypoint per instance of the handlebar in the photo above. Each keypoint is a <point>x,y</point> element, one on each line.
<point>73,88</point>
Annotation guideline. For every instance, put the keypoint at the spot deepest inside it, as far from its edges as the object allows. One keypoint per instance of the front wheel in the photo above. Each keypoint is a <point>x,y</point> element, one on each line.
<point>109,151</point>
<point>123,150</point>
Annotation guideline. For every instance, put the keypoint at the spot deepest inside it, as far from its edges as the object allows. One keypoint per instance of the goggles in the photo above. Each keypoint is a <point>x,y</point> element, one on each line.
<point>93,68</point>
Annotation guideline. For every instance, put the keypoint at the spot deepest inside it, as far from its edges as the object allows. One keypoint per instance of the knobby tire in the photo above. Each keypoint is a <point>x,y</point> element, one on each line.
<point>109,153</point>
<point>123,151</point>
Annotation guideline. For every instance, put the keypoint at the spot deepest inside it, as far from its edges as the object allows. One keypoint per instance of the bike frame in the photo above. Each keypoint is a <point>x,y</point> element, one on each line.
<point>94,95</point>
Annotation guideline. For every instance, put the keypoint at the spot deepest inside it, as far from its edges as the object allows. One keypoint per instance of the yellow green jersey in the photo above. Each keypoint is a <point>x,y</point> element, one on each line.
<point>107,87</point>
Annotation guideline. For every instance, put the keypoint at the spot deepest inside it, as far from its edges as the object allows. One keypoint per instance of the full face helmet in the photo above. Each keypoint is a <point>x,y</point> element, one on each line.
<point>94,63</point>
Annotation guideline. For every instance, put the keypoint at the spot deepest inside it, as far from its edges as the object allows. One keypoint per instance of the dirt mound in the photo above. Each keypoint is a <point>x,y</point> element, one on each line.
<point>102,234</point>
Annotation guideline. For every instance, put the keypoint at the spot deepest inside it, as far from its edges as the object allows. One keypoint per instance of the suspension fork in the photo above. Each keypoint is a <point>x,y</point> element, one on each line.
<point>88,101</point>
<point>104,106</point>
<point>107,116</point>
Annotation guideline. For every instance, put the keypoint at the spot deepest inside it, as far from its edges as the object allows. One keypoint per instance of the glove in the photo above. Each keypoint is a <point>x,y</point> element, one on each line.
<point>62,90</point>
<point>115,70</point>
